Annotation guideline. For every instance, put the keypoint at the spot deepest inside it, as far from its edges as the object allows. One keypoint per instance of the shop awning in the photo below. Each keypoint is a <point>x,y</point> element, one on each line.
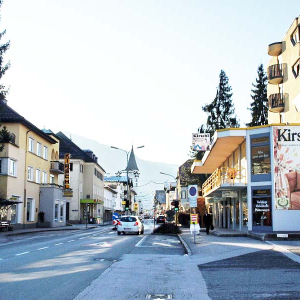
<point>8,202</point>
<point>225,142</point>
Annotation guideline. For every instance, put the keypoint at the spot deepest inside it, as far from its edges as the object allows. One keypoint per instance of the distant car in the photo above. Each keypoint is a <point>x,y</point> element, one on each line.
<point>161,219</point>
<point>130,224</point>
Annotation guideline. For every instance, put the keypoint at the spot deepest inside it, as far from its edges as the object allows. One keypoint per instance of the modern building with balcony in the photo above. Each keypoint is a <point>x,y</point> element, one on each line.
<point>283,76</point>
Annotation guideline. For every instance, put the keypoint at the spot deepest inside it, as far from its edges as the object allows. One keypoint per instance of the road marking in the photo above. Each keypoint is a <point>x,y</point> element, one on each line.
<point>58,244</point>
<point>71,241</point>
<point>42,248</point>
<point>82,238</point>
<point>22,253</point>
<point>141,241</point>
<point>102,259</point>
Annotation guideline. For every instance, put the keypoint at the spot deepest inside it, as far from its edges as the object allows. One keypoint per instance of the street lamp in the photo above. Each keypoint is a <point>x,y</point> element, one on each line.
<point>127,153</point>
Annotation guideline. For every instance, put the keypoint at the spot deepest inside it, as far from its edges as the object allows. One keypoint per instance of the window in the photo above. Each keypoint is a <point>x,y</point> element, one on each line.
<point>30,174</point>
<point>56,210</point>
<point>31,145</point>
<point>296,68</point>
<point>71,167</point>
<point>37,176</point>
<point>52,179</point>
<point>45,154</point>
<point>12,138</point>
<point>81,168</point>
<point>62,211</point>
<point>0,166</point>
<point>30,209</point>
<point>38,149</point>
<point>295,36</point>
<point>260,155</point>
<point>44,177</point>
<point>12,168</point>
<point>183,194</point>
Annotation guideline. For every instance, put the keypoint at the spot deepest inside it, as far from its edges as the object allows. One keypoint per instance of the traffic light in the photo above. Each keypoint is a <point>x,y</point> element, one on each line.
<point>176,203</point>
<point>127,205</point>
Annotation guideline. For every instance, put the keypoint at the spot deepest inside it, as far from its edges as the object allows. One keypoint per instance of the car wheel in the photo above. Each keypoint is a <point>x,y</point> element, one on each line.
<point>124,233</point>
<point>142,232</point>
<point>119,233</point>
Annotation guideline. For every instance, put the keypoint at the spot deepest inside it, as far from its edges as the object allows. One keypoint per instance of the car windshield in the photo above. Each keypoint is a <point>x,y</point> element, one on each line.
<point>161,217</point>
<point>128,219</point>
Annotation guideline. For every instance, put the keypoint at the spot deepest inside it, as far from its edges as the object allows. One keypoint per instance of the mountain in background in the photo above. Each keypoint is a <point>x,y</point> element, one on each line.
<point>112,161</point>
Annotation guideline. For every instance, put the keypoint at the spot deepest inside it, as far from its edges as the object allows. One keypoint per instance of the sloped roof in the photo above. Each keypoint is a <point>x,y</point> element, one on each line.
<point>67,146</point>
<point>132,166</point>
<point>8,115</point>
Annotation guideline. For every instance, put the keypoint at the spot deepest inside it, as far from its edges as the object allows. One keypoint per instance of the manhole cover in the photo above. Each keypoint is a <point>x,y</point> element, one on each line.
<point>159,296</point>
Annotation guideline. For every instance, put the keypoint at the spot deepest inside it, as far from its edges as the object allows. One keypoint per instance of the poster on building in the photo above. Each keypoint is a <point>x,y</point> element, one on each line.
<point>287,167</point>
<point>200,141</point>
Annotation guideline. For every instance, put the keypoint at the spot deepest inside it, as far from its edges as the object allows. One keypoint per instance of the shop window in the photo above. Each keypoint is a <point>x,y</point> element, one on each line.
<point>56,210</point>
<point>62,211</point>
<point>260,157</point>
<point>296,68</point>
<point>262,207</point>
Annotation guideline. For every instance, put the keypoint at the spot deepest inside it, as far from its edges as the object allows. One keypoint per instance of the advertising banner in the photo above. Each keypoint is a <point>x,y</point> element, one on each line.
<point>200,141</point>
<point>287,167</point>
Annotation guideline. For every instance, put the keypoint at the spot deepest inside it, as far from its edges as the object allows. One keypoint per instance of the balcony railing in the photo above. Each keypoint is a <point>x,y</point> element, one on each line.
<point>56,167</point>
<point>275,73</point>
<point>276,102</point>
<point>224,175</point>
<point>275,49</point>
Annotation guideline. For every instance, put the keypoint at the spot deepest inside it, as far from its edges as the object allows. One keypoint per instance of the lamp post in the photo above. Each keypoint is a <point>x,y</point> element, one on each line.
<point>127,172</point>
<point>176,193</point>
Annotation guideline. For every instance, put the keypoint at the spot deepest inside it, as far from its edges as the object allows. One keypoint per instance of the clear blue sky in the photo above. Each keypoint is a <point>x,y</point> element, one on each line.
<point>123,72</point>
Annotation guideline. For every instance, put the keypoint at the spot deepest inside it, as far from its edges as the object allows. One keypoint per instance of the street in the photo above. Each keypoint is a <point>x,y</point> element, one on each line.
<point>59,265</point>
<point>99,264</point>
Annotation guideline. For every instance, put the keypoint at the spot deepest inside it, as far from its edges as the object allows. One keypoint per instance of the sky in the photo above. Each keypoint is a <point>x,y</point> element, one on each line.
<point>136,72</point>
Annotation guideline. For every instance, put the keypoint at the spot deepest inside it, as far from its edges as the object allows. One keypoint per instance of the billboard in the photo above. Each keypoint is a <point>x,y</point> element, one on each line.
<point>287,167</point>
<point>200,141</point>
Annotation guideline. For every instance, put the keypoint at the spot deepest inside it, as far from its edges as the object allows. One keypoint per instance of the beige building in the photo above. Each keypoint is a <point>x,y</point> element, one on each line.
<point>86,182</point>
<point>28,163</point>
<point>284,77</point>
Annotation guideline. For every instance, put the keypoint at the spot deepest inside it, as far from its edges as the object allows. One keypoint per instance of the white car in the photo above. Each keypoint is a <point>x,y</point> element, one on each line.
<point>130,224</point>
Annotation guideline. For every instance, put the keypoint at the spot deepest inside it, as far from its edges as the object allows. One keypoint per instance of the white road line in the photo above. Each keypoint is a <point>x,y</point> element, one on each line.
<point>102,259</point>
<point>82,238</point>
<point>42,248</point>
<point>58,244</point>
<point>22,253</point>
<point>71,241</point>
<point>285,251</point>
<point>141,241</point>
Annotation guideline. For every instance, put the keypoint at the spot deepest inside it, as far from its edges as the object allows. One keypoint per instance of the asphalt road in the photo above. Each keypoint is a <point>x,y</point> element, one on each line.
<point>59,265</point>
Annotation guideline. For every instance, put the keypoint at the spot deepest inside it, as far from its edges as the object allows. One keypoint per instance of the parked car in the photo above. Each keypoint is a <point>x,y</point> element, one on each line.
<point>161,219</point>
<point>130,224</point>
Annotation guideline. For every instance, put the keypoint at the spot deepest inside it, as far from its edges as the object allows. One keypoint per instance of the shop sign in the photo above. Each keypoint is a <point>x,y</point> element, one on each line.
<point>67,171</point>
<point>68,193</point>
<point>123,202</point>
<point>229,194</point>
<point>200,141</point>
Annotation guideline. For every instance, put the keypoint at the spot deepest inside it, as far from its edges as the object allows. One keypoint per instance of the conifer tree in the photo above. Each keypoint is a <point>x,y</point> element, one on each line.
<point>3,68</point>
<point>259,106</point>
<point>221,110</point>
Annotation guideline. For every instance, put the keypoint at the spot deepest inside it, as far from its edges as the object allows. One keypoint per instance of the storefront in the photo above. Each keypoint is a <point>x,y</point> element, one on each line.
<point>92,209</point>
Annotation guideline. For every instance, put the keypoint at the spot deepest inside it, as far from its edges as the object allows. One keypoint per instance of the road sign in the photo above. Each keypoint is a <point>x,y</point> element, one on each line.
<point>192,195</point>
<point>194,219</point>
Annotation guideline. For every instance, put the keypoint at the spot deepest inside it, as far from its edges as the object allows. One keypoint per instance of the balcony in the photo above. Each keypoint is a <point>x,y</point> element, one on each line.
<point>56,167</point>
<point>276,102</point>
<point>275,49</point>
<point>224,177</point>
<point>275,73</point>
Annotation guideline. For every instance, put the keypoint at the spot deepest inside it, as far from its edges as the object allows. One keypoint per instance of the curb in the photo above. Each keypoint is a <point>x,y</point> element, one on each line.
<point>185,245</point>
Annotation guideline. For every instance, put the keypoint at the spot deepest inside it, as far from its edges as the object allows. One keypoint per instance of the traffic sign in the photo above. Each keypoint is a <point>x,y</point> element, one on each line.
<point>194,219</point>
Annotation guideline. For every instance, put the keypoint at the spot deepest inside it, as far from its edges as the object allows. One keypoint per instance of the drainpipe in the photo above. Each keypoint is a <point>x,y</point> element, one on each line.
<point>25,180</point>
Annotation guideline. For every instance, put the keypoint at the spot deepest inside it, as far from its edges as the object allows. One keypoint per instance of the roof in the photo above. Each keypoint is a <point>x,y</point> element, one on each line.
<point>8,115</point>
<point>224,143</point>
<point>132,166</point>
<point>67,146</point>
<point>110,189</point>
